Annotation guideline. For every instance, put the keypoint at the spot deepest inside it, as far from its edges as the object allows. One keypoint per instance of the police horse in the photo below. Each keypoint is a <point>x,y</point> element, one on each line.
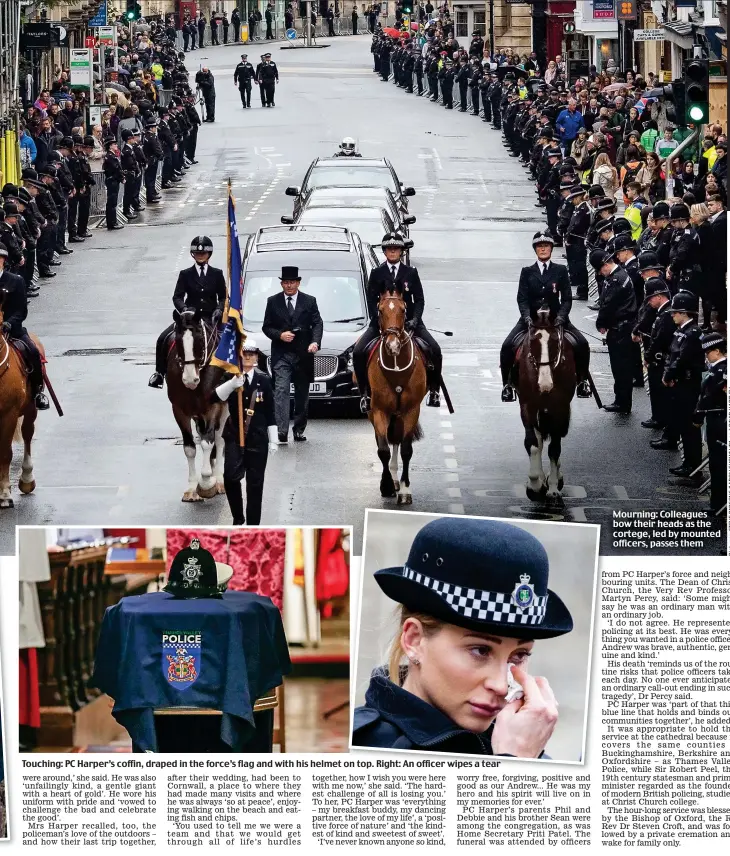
<point>191,383</point>
<point>546,386</point>
<point>17,417</point>
<point>397,379</point>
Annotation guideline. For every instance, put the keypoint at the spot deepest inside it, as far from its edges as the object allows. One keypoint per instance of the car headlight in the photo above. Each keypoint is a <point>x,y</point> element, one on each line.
<point>346,358</point>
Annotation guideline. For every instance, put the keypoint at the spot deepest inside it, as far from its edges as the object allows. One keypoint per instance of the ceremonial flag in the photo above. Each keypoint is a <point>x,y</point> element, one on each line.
<point>227,355</point>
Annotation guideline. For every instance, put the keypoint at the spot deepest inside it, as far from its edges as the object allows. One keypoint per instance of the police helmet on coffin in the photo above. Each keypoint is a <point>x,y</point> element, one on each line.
<point>193,573</point>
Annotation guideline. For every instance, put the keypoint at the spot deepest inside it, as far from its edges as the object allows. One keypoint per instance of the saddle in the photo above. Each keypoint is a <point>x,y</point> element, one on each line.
<point>24,354</point>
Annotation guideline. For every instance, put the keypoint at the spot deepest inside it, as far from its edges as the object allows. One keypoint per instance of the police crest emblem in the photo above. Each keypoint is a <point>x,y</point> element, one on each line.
<point>181,658</point>
<point>523,596</point>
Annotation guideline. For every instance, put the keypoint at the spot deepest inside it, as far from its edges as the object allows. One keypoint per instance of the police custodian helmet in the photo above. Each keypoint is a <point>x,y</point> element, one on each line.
<point>685,301</point>
<point>542,238</point>
<point>485,575</point>
<point>393,241</point>
<point>201,244</point>
<point>193,573</point>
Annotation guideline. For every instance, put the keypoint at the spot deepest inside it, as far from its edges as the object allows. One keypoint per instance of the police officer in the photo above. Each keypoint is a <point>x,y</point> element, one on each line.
<point>393,274</point>
<point>153,153</point>
<point>15,311</point>
<point>206,83</point>
<point>623,247</point>
<point>141,159</point>
<point>267,75</point>
<point>242,76</point>
<point>347,149</point>
<point>79,205</point>
<point>48,218</point>
<point>544,282</point>
<point>484,86</point>
<point>131,171</point>
<point>712,409</point>
<point>201,288</point>
<point>683,270</point>
<point>683,377</point>
<point>616,319</point>
<point>663,236</point>
<point>260,433</point>
<point>659,340</point>
<point>575,249</point>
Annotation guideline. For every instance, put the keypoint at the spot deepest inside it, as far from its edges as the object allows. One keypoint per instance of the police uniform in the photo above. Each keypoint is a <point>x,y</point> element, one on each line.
<point>712,410</point>
<point>408,283</point>
<point>260,435</point>
<point>503,572</point>
<point>575,249</point>
<point>617,315</point>
<point>683,370</point>
<point>113,179</point>
<point>243,76</point>
<point>206,82</point>
<point>656,351</point>
<point>131,171</point>
<point>79,205</point>
<point>153,153</point>
<point>684,254</point>
<point>200,288</point>
<point>267,76</point>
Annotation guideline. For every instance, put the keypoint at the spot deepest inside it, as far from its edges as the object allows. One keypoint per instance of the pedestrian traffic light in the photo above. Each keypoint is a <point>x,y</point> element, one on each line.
<point>674,101</point>
<point>697,83</point>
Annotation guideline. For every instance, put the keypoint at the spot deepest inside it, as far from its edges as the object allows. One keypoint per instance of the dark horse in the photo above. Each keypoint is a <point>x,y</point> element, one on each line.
<point>546,386</point>
<point>191,383</point>
<point>397,377</point>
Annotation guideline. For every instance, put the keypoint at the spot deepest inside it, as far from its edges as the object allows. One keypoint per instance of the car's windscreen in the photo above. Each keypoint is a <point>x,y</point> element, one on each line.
<point>370,230</point>
<point>326,176</point>
<point>339,297</point>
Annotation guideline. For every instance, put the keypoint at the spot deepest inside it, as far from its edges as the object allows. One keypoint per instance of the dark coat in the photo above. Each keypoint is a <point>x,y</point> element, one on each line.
<point>618,301</point>
<point>15,302</point>
<point>257,437</point>
<point>408,283</point>
<point>192,292</point>
<point>686,359</point>
<point>306,323</point>
<point>552,287</point>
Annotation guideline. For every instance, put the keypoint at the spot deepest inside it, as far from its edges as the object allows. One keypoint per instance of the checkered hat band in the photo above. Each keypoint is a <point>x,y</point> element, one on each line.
<point>495,606</point>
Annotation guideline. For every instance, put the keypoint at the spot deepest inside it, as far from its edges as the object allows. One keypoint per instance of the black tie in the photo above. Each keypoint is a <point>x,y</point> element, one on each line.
<point>246,385</point>
<point>290,307</point>
<point>392,270</point>
<point>202,271</point>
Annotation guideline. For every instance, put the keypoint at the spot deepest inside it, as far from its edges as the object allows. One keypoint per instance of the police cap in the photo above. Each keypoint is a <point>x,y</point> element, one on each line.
<point>655,285</point>
<point>598,258</point>
<point>543,237</point>
<point>685,301</point>
<point>596,191</point>
<point>621,226</point>
<point>648,260</point>
<point>679,212</point>
<point>201,244</point>
<point>660,211</point>
<point>193,573</point>
<point>605,203</point>
<point>713,341</point>
<point>604,225</point>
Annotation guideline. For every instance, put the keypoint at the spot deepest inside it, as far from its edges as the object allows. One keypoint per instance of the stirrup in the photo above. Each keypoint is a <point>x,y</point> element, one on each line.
<point>156,381</point>
<point>41,401</point>
<point>365,404</point>
<point>434,399</point>
<point>508,393</point>
<point>583,390</point>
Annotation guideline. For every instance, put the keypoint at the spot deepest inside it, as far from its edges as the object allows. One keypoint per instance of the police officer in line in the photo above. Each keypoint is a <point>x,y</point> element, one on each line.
<point>205,81</point>
<point>662,238</point>
<point>141,159</point>
<point>390,275</point>
<point>544,282</point>
<point>153,154</point>
<point>131,171</point>
<point>615,320</point>
<point>712,410</point>
<point>260,436</point>
<point>683,270</point>
<point>683,378</point>
<point>624,248</point>
<point>243,76</point>
<point>79,204</point>
<point>656,349</point>
<point>575,248</point>
<point>113,179</point>
<point>15,311</point>
<point>267,76</point>
<point>201,288</point>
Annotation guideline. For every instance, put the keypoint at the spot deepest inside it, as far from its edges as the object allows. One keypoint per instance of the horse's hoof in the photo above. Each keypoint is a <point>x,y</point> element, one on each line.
<point>396,485</point>
<point>26,487</point>
<point>191,496</point>
<point>220,488</point>
<point>561,484</point>
<point>535,495</point>
<point>207,492</point>
<point>555,500</point>
<point>408,499</point>
<point>387,492</point>
<point>7,503</point>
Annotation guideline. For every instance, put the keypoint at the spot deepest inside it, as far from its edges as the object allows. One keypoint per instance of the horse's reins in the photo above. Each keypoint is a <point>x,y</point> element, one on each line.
<point>558,357</point>
<point>5,361</point>
<point>395,367</point>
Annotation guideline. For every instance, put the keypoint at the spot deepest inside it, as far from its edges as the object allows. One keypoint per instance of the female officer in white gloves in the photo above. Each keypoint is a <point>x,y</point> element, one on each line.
<point>260,436</point>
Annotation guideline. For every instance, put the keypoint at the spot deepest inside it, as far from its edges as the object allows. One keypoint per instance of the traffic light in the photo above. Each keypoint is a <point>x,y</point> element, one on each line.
<point>407,7</point>
<point>134,11</point>
<point>697,83</point>
<point>674,100</point>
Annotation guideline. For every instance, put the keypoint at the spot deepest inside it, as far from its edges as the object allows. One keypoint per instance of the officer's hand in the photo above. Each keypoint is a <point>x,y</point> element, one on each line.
<point>669,273</point>
<point>602,331</point>
<point>237,381</point>
<point>273,448</point>
<point>524,727</point>
<point>287,336</point>
<point>313,348</point>
<point>635,338</point>
<point>411,325</point>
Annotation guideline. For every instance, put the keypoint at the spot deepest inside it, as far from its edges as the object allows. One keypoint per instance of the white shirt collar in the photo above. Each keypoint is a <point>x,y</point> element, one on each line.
<point>293,298</point>
<point>543,266</point>
<point>396,265</point>
<point>249,375</point>
<point>721,360</point>
<point>204,267</point>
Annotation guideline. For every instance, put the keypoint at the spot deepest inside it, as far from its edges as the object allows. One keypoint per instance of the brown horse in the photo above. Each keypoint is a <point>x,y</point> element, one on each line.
<point>17,417</point>
<point>397,377</point>
<point>191,383</point>
<point>546,386</point>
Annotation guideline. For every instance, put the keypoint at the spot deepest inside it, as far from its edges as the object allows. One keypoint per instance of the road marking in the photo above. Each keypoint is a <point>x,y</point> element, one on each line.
<point>454,492</point>
<point>451,463</point>
<point>451,477</point>
<point>447,436</point>
<point>620,491</point>
<point>437,159</point>
<point>487,373</point>
<point>456,508</point>
<point>445,423</point>
<point>450,450</point>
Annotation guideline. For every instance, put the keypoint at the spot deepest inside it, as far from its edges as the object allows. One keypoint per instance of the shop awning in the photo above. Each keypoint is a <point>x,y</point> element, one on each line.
<point>679,33</point>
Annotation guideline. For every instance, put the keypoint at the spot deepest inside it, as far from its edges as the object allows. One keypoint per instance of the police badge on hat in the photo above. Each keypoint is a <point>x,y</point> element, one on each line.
<point>191,570</point>
<point>523,595</point>
<point>193,573</point>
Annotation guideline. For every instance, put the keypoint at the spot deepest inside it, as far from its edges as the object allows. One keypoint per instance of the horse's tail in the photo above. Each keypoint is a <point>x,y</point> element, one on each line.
<point>17,435</point>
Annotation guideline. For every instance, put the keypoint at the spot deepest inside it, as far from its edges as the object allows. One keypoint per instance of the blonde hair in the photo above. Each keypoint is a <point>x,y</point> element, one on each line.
<point>603,160</point>
<point>698,213</point>
<point>397,669</point>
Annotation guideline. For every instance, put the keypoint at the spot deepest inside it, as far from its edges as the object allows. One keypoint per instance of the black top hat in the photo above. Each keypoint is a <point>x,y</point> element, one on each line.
<point>290,272</point>
<point>484,575</point>
<point>193,573</point>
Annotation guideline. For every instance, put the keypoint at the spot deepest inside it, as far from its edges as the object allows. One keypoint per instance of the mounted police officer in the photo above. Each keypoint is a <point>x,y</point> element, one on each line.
<point>14,305</point>
<point>394,275</point>
<point>243,76</point>
<point>683,377</point>
<point>616,319</point>
<point>712,409</point>
<point>347,149</point>
<point>544,282</point>
<point>199,287</point>
<point>260,436</point>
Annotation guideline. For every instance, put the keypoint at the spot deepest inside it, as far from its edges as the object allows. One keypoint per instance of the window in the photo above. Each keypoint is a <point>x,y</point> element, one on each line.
<point>462,24</point>
<point>480,22</point>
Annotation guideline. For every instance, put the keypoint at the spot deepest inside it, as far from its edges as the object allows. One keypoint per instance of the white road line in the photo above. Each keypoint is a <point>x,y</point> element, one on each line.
<point>447,436</point>
<point>437,159</point>
<point>456,508</point>
<point>451,477</point>
<point>451,463</point>
<point>487,373</point>
<point>620,491</point>
<point>445,423</point>
<point>450,450</point>
<point>454,492</point>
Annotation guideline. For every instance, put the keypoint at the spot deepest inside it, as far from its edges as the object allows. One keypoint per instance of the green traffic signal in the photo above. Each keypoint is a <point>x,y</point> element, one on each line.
<point>130,16</point>
<point>697,80</point>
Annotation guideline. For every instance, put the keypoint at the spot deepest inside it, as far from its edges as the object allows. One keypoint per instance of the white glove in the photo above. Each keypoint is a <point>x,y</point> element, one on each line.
<point>273,439</point>
<point>225,389</point>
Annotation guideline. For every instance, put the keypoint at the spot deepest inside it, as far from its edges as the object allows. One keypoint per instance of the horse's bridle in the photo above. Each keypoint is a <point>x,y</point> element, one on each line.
<point>400,333</point>
<point>207,341</point>
<point>559,356</point>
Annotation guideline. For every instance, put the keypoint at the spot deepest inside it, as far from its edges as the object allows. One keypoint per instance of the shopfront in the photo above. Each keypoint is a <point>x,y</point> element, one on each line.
<point>469,17</point>
<point>597,22</point>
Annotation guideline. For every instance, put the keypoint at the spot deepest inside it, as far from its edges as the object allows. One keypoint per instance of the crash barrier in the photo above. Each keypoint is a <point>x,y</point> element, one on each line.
<point>9,157</point>
<point>97,210</point>
<point>258,35</point>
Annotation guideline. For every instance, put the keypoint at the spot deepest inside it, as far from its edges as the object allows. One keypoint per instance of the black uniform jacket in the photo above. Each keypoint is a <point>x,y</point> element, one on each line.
<point>14,302</point>
<point>407,281</point>
<point>662,333</point>
<point>686,359</point>
<point>618,301</point>
<point>243,73</point>
<point>552,288</point>
<point>393,718</point>
<point>204,293</point>
<point>306,324</point>
<point>260,397</point>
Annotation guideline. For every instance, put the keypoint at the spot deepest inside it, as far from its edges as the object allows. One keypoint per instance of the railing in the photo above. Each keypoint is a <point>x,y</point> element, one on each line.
<point>97,210</point>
